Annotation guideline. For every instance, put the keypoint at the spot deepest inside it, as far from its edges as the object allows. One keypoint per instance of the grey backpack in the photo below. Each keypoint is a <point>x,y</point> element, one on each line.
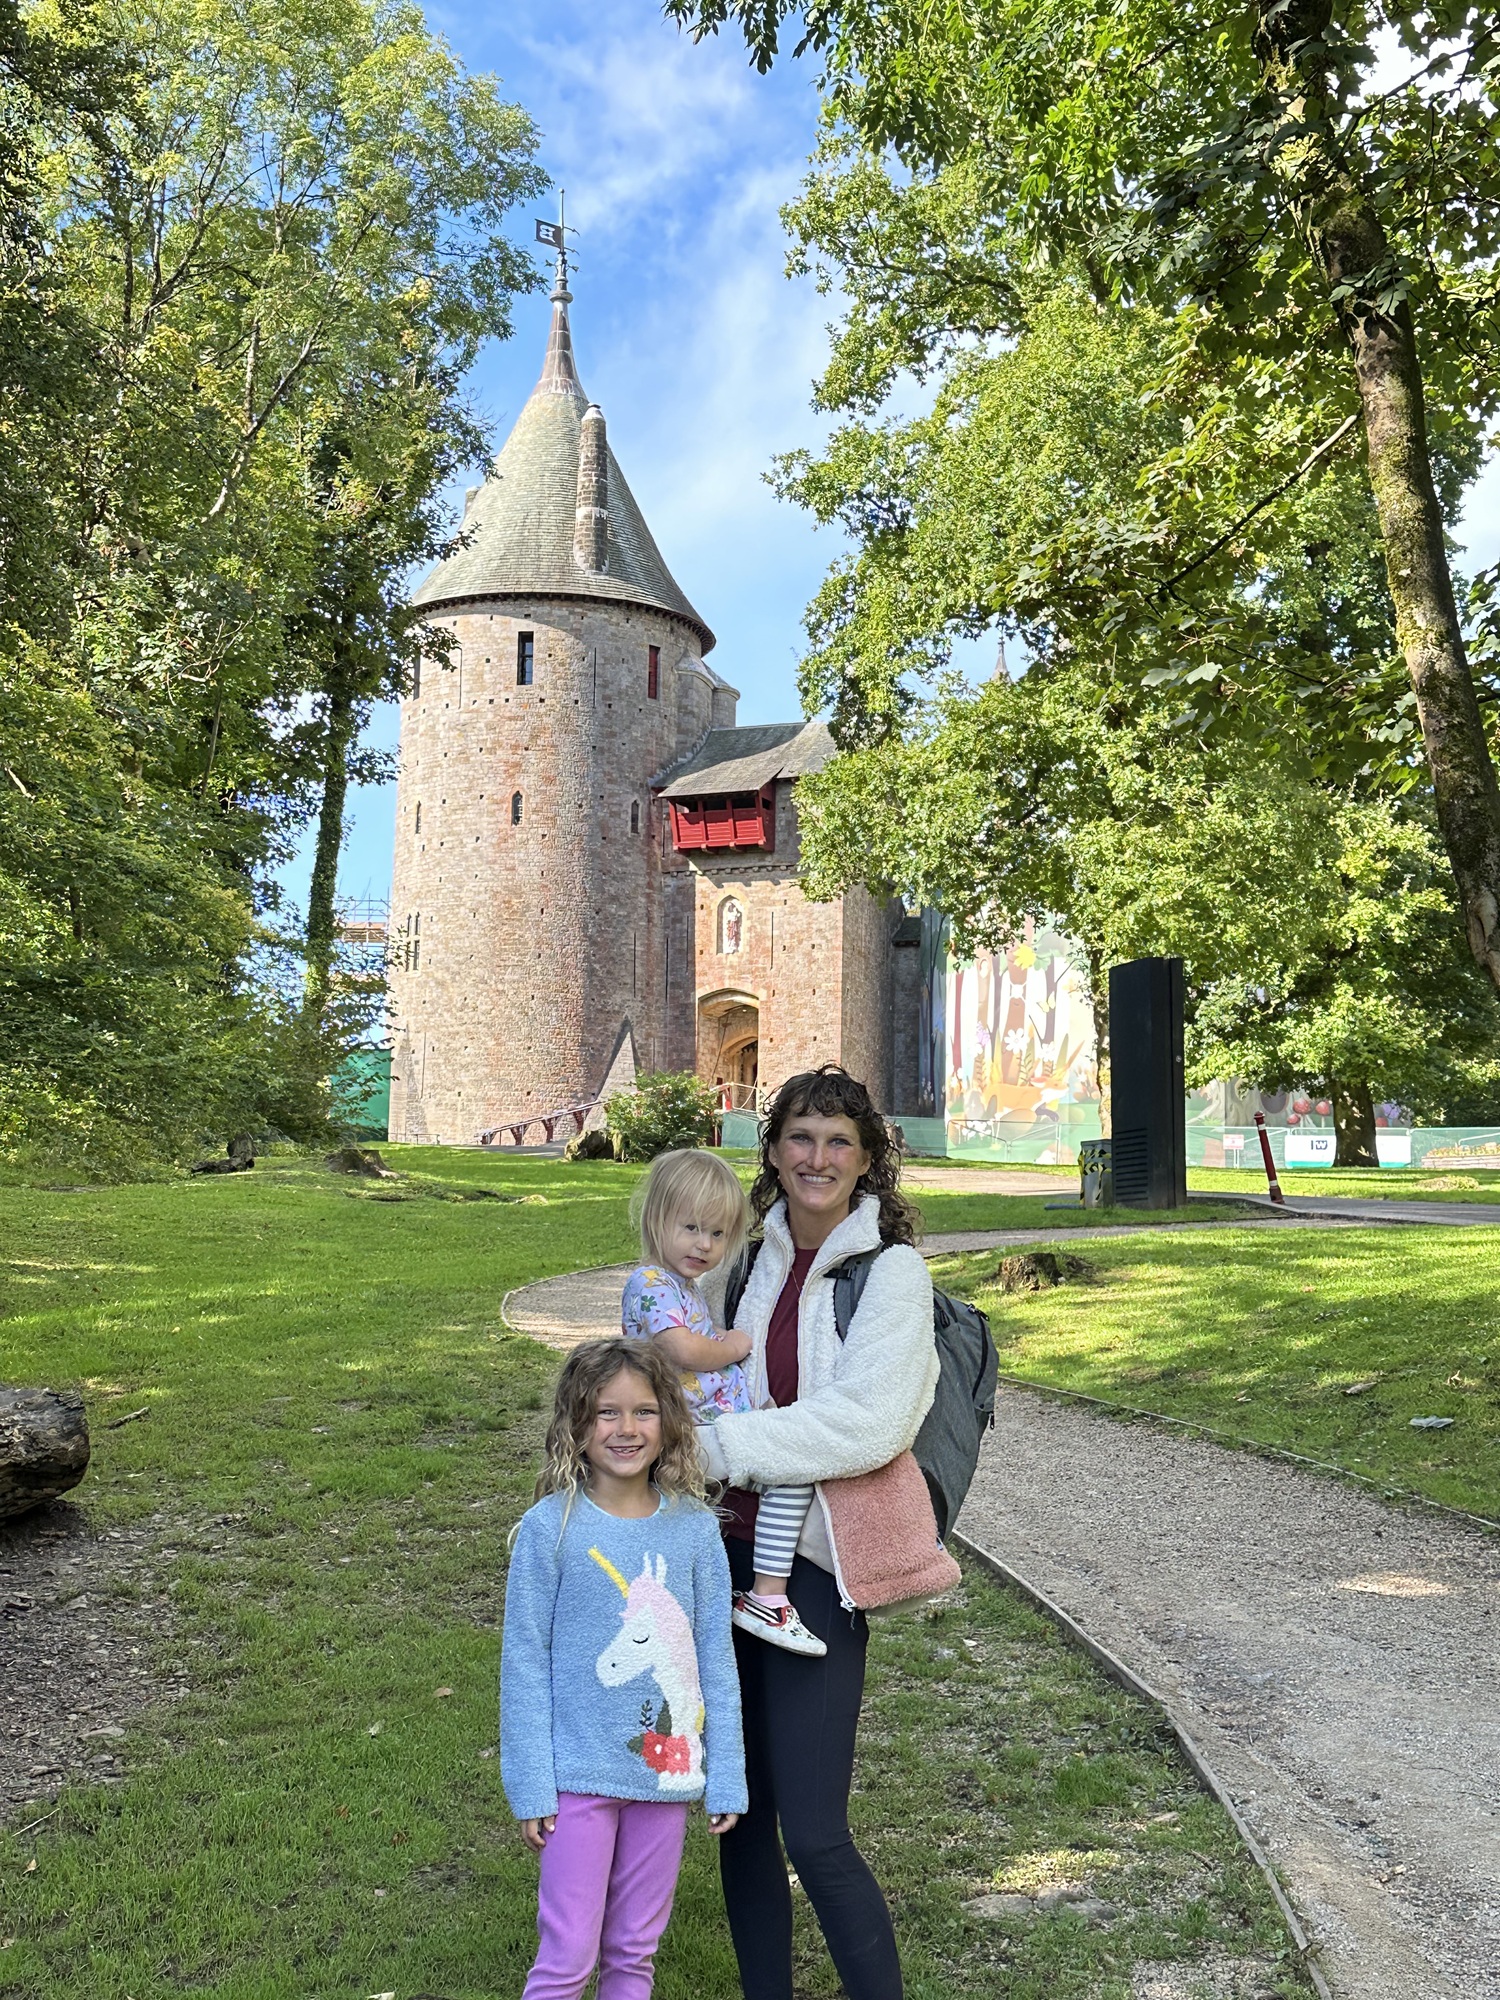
<point>963,1409</point>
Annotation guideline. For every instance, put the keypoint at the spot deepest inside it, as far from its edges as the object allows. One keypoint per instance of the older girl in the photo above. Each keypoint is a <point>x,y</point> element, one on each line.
<point>618,1699</point>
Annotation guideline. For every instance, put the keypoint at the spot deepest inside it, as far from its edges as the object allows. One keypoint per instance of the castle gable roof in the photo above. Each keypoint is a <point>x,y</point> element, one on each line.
<point>747,760</point>
<point>518,533</point>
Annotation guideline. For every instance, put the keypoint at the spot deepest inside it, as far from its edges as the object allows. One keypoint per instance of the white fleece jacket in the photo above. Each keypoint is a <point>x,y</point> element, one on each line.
<point>860,1402</point>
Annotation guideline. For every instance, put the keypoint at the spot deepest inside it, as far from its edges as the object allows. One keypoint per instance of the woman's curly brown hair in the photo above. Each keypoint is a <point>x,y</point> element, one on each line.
<point>678,1471</point>
<point>830,1092</point>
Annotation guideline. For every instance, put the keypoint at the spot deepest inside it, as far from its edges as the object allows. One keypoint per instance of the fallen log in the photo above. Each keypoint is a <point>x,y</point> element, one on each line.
<point>239,1158</point>
<point>44,1446</point>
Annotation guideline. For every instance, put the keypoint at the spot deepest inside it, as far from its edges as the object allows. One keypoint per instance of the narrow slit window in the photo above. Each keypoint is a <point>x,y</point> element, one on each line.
<point>515,808</point>
<point>415,946</point>
<point>418,827</point>
<point>525,658</point>
<point>653,672</point>
<point>416,678</point>
<point>635,815</point>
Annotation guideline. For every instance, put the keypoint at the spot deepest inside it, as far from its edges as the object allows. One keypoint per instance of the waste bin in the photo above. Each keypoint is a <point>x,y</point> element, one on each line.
<point>1095,1174</point>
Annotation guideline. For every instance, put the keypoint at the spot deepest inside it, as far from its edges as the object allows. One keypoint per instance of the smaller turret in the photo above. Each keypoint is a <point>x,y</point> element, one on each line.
<point>591,518</point>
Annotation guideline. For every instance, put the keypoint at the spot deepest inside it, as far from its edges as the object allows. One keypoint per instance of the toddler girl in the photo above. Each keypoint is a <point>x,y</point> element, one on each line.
<point>692,1214</point>
<point>619,1700</point>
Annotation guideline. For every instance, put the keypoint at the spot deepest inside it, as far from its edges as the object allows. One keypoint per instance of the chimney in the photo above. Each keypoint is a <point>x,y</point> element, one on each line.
<point>591,521</point>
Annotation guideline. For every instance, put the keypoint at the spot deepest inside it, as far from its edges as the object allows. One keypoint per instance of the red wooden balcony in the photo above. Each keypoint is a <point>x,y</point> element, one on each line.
<point>741,819</point>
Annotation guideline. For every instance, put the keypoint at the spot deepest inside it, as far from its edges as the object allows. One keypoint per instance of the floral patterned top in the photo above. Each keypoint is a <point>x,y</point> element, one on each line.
<point>654,1299</point>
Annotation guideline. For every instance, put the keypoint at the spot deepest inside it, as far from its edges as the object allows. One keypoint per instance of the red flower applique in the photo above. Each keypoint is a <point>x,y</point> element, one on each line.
<point>665,1753</point>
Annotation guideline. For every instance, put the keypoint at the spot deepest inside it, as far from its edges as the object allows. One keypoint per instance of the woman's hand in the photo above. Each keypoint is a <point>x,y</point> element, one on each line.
<point>535,1831</point>
<point>719,1823</point>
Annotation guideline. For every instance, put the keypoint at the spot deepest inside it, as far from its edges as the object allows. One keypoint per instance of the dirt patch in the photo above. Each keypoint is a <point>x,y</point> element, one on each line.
<point>78,1612</point>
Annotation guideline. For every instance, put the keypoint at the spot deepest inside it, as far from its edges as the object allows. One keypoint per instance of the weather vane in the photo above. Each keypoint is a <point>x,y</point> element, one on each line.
<point>555,235</point>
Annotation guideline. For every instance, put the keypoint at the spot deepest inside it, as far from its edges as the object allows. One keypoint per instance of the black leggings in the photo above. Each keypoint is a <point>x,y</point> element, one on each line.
<point>800,1721</point>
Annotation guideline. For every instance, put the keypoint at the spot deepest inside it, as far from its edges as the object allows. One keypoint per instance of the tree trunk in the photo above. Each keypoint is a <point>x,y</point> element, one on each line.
<point>1099,1006</point>
<point>322,908</point>
<point>44,1446</point>
<point>1347,239</point>
<point>1354,1122</point>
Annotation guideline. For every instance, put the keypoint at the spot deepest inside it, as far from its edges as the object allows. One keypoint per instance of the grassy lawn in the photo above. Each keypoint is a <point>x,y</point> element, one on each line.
<point>1263,1334</point>
<point>943,1213</point>
<point>340,1434</point>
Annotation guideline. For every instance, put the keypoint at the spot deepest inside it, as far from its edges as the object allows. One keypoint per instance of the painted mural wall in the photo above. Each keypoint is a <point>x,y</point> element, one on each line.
<point>1009,1071</point>
<point>1017,1057</point>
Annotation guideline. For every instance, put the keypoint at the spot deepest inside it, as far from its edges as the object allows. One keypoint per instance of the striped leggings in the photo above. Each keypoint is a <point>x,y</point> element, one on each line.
<point>778,1523</point>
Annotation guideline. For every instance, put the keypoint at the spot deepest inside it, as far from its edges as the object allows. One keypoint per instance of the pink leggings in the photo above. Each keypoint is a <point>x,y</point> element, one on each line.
<point>609,1871</point>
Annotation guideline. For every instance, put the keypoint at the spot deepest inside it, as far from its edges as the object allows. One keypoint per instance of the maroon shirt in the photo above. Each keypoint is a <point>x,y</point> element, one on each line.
<point>781,1380</point>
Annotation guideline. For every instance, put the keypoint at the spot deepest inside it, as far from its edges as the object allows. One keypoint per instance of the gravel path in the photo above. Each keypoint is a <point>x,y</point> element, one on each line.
<point>1337,1659</point>
<point>1353,1208</point>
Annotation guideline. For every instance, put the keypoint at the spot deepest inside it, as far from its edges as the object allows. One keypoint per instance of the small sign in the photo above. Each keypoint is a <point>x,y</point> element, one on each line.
<point>1311,1149</point>
<point>550,233</point>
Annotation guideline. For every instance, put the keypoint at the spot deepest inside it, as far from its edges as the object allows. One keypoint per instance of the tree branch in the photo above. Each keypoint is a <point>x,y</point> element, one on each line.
<point>1320,451</point>
<point>247,443</point>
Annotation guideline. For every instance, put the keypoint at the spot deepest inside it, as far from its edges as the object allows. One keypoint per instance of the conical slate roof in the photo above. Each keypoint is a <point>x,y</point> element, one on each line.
<point>520,525</point>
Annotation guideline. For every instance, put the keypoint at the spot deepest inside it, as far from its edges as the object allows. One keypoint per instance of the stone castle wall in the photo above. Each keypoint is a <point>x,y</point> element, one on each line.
<point>524,949</point>
<point>810,978</point>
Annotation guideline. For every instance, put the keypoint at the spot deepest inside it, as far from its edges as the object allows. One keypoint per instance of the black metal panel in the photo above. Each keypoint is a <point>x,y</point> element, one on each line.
<point>1148,1111</point>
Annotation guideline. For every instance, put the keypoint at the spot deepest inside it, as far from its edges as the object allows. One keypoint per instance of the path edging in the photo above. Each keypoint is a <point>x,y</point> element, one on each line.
<point>1127,1678</point>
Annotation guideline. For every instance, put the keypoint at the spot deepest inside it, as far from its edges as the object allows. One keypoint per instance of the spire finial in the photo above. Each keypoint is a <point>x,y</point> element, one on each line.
<point>558,372</point>
<point>560,290</point>
<point>555,236</point>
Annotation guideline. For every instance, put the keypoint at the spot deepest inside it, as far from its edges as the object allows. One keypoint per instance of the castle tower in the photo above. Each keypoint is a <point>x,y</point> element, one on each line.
<point>536,953</point>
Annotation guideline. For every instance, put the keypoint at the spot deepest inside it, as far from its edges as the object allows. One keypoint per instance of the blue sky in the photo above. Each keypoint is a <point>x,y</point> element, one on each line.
<point>676,160</point>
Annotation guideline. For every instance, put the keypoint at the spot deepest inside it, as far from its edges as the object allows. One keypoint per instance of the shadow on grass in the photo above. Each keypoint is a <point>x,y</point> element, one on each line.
<point>1326,1342</point>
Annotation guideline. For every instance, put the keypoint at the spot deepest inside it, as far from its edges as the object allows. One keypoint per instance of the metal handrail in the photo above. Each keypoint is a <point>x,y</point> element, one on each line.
<point>548,1120</point>
<point>739,1097</point>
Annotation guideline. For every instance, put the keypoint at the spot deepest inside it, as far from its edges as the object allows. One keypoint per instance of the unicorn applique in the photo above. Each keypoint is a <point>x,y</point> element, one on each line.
<point>655,1638</point>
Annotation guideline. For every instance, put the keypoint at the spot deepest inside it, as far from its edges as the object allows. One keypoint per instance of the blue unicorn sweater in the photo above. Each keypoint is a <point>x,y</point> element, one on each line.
<point>617,1675</point>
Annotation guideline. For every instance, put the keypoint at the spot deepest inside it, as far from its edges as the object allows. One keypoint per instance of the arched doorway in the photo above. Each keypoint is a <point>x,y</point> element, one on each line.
<point>742,1063</point>
<point>729,1046</point>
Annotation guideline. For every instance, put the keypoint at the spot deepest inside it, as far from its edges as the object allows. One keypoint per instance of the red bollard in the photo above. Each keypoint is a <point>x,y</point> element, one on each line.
<point>1265,1152</point>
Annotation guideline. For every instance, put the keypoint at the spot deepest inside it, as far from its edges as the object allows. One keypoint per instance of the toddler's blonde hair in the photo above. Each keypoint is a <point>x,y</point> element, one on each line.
<point>698,1185</point>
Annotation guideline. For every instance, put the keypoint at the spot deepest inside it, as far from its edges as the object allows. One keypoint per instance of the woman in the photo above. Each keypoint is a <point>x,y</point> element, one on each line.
<point>827,1188</point>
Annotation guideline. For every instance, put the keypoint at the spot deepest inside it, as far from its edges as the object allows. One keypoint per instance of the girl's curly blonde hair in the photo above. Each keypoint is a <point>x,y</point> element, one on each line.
<point>678,1471</point>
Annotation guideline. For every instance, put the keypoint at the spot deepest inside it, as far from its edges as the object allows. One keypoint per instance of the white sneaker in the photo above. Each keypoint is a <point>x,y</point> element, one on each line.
<point>777,1624</point>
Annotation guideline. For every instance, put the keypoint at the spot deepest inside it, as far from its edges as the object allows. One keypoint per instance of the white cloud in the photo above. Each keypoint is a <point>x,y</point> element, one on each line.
<point>645,116</point>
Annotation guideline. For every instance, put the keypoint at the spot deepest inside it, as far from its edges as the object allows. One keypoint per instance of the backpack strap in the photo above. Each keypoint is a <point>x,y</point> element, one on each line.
<point>734,1291</point>
<point>849,1287</point>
